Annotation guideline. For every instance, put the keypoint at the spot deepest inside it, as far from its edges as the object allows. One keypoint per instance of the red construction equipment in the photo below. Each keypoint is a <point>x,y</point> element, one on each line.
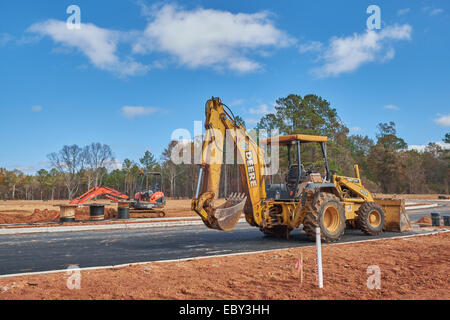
<point>97,191</point>
<point>149,201</point>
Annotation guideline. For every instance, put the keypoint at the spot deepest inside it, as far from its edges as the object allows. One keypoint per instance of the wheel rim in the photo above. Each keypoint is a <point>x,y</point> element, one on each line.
<point>374,218</point>
<point>331,219</point>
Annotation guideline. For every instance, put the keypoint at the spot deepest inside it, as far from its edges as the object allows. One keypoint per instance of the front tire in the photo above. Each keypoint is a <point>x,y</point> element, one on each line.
<point>370,218</point>
<point>326,212</point>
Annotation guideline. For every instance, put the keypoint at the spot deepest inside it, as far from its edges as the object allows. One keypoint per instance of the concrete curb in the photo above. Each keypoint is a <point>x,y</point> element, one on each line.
<point>212,256</point>
<point>425,206</point>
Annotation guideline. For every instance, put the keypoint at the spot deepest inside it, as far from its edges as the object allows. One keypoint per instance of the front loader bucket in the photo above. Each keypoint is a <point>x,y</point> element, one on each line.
<point>227,215</point>
<point>396,218</point>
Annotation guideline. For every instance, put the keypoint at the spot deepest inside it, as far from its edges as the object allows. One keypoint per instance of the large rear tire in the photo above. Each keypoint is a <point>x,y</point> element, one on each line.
<point>370,218</point>
<point>326,212</point>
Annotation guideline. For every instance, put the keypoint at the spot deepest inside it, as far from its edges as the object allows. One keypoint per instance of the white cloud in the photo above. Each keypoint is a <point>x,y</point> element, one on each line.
<point>36,108</point>
<point>262,109</point>
<point>133,111</point>
<point>432,11</point>
<point>25,169</point>
<point>5,38</point>
<point>355,129</point>
<point>113,165</point>
<point>443,120</point>
<point>347,54</point>
<point>192,38</point>
<point>436,11</point>
<point>45,164</point>
<point>403,11</point>
<point>312,46</point>
<point>210,38</point>
<point>251,122</point>
<point>421,148</point>
<point>236,102</point>
<point>391,107</point>
<point>98,44</point>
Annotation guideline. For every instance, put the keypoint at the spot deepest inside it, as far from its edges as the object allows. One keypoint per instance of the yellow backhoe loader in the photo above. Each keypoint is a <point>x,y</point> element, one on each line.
<point>307,198</point>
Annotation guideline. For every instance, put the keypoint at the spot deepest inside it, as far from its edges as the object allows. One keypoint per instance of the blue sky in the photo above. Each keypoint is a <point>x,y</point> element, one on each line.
<point>137,70</point>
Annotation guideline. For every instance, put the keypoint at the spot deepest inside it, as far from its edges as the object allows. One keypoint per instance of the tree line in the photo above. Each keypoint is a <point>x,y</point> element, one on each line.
<point>386,164</point>
<point>75,170</point>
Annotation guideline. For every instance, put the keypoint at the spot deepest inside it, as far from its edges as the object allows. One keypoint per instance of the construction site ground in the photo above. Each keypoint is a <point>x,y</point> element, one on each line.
<point>410,268</point>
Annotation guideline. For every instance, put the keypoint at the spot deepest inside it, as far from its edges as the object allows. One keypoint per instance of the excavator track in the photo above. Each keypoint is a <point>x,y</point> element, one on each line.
<point>158,213</point>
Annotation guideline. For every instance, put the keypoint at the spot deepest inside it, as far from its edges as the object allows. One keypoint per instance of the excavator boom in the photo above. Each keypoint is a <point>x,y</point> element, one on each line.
<point>97,191</point>
<point>218,124</point>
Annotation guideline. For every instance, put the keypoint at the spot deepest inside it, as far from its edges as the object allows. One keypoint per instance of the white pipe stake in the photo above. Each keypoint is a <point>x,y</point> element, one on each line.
<point>319,258</point>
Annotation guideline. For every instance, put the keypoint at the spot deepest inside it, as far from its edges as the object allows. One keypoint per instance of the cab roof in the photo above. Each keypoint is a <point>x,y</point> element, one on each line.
<point>304,138</point>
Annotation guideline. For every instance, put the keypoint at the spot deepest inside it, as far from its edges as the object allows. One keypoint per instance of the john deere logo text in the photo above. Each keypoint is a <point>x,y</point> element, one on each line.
<point>251,169</point>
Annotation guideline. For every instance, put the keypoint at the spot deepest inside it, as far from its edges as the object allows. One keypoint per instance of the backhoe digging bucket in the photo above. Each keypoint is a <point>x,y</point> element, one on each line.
<point>396,218</point>
<point>227,215</point>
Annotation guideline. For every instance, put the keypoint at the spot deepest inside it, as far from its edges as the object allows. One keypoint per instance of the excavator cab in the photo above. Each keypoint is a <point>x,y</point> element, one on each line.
<point>296,176</point>
<point>151,198</point>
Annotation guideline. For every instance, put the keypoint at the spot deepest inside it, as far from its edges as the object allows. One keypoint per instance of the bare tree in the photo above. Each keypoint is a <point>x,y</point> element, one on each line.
<point>69,161</point>
<point>97,156</point>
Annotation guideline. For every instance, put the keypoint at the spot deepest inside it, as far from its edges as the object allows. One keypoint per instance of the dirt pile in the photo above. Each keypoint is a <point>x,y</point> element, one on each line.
<point>45,215</point>
<point>24,217</point>
<point>424,220</point>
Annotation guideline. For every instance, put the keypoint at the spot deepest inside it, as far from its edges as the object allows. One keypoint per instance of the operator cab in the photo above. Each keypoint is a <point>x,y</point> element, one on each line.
<point>147,194</point>
<point>297,177</point>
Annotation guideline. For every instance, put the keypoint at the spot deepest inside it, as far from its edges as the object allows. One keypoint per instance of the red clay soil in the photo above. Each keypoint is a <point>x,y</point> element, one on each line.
<point>12,212</point>
<point>411,268</point>
<point>81,215</point>
<point>23,217</point>
<point>16,216</point>
<point>427,222</point>
<point>424,220</point>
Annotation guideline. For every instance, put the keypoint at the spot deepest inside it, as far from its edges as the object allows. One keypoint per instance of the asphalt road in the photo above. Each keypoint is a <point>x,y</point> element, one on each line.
<point>50,251</point>
<point>443,208</point>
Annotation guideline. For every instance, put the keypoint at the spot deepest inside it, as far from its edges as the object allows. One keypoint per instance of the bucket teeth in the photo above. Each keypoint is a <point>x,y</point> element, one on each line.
<point>235,196</point>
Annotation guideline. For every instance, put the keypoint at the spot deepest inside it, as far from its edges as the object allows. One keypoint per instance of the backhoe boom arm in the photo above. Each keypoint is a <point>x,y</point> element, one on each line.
<point>218,124</point>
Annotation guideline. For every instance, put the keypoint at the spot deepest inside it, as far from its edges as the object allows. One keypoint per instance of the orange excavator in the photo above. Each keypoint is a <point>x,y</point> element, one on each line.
<point>152,200</point>
<point>109,193</point>
<point>149,201</point>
